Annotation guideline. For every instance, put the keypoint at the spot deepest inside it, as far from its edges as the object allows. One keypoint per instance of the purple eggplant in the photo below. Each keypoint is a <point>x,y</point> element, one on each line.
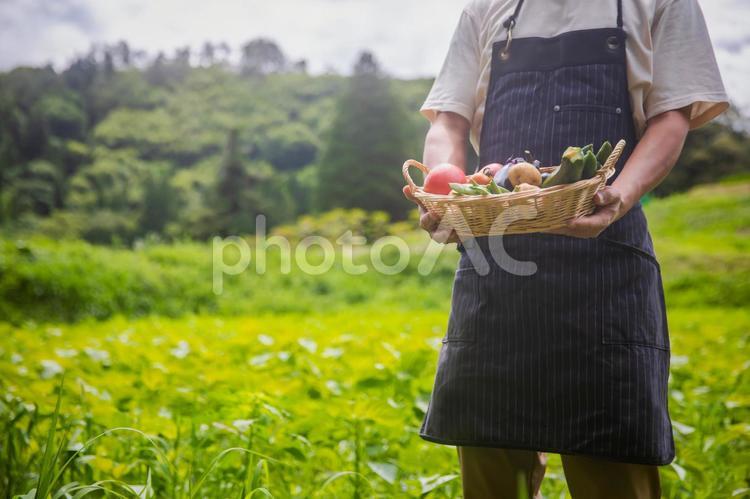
<point>501,177</point>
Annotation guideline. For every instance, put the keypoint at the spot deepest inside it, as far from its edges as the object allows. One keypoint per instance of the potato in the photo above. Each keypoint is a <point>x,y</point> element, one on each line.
<point>526,187</point>
<point>524,173</point>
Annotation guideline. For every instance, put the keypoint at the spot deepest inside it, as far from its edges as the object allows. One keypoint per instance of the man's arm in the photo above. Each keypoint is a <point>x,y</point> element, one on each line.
<point>445,143</point>
<point>651,161</point>
<point>446,140</point>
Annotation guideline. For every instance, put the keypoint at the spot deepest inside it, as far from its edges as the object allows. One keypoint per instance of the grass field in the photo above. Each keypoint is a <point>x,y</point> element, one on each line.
<point>297,386</point>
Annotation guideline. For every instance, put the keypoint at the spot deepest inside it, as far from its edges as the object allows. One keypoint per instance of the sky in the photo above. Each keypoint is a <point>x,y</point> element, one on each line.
<point>408,37</point>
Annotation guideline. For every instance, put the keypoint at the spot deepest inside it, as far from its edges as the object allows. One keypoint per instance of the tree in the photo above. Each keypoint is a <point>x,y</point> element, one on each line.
<point>109,63</point>
<point>81,74</point>
<point>182,56</point>
<point>222,52</point>
<point>261,57</point>
<point>710,153</point>
<point>231,205</point>
<point>208,54</point>
<point>157,73</point>
<point>288,147</point>
<point>159,204</point>
<point>366,145</point>
<point>125,56</point>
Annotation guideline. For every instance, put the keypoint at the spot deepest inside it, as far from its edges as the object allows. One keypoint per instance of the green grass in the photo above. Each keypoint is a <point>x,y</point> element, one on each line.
<point>304,386</point>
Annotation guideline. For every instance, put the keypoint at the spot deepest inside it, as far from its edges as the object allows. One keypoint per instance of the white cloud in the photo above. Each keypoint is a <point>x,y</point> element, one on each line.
<point>409,37</point>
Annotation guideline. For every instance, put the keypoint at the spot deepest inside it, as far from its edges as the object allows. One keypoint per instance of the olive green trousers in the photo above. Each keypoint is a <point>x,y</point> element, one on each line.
<point>490,473</point>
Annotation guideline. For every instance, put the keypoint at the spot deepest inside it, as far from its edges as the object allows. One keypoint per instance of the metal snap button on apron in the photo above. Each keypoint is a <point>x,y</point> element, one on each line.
<point>618,110</point>
<point>556,108</point>
<point>613,42</point>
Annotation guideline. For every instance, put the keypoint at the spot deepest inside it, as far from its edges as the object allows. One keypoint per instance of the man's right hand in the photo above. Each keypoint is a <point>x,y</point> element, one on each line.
<point>446,142</point>
<point>431,223</point>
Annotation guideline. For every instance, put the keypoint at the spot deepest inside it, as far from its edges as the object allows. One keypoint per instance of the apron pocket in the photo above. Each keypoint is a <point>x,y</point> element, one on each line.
<point>633,308</point>
<point>465,304</point>
<point>592,108</point>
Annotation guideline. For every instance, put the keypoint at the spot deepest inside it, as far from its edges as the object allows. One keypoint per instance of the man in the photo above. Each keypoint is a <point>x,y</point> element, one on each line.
<point>573,359</point>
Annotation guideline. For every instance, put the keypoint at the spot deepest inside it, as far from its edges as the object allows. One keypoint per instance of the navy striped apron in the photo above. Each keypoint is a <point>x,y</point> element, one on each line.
<point>573,359</point>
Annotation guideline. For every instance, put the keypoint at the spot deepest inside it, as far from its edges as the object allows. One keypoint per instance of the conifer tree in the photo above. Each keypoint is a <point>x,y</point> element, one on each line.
<point>367,144</point>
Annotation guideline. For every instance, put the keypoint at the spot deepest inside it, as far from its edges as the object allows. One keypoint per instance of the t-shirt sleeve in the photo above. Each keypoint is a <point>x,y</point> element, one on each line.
<point>685,72</point>
<point>454,88</point>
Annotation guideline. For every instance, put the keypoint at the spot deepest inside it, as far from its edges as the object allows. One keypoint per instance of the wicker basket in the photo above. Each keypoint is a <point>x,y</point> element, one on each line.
<point>516,212</point>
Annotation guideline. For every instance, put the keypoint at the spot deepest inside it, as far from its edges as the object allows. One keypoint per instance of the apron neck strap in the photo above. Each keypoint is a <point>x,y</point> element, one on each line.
<point>511,21</point>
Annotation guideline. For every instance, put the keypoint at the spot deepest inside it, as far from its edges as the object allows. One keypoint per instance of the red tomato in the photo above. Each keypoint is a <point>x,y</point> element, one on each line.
<point>439,177</point>
<point>480,178</point>
<point>491,169</point>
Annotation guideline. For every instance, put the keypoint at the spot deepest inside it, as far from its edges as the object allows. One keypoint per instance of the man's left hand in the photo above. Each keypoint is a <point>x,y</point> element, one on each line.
<point>610,207</point>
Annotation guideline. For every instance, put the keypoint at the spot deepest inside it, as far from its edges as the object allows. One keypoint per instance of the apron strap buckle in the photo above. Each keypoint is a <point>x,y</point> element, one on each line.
<point>505,51</point>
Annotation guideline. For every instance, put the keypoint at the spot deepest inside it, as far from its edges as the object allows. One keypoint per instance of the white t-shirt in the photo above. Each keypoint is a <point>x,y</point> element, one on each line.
<point>670,60</point>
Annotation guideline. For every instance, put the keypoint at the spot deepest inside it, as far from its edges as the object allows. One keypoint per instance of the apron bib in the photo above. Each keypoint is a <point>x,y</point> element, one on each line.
<point>573,359</point>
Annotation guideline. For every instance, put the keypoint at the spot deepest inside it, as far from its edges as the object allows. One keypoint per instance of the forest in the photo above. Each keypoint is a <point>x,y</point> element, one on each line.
<point>120,145</point>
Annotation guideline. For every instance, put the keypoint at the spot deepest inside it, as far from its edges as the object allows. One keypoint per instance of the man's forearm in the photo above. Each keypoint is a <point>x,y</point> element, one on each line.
<point>446,141</point>
<point>653,157</point>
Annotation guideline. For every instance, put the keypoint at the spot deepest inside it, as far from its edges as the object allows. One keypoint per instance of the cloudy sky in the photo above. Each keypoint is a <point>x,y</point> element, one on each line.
<point>409,37</point>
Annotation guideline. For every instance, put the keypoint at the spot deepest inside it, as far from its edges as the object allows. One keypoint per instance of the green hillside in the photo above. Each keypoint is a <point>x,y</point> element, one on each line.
<point>116,154</point>
<point>113,153</point>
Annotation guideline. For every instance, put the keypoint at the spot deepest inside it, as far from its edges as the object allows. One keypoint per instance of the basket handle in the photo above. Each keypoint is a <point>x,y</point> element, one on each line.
<point>405,171</point>
<point>608,169</point>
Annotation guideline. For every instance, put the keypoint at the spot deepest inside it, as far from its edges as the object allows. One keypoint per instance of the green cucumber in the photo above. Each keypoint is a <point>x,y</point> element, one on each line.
<point>570,168</point>
<point>587,148</point>
<point>604,151</point>
<point>590,165</point>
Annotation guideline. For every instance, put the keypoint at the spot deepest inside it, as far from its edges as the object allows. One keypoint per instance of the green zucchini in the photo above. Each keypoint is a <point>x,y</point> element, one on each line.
<point>590,165</point>
<point>587,148</point>
<point>604,151</point>
<point>570,168</point>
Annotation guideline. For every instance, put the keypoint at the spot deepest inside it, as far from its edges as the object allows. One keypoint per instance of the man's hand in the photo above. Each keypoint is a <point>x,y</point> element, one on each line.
<point>610,207</point>
<point>445,142</point>
<point>651,161</point>
<point>431,223</point>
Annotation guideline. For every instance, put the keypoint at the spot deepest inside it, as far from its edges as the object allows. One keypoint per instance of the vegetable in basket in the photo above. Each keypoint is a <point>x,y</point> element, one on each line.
<point>438,180</point>
<point>501,177</point>
<point>475,188</point>
<point>570,168</point>
<point>479,178</point>
<point>526,187</point>
<point>524,173</point>
<point>491,169</point>
<point>590,165</point>
<point>604,151</point>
